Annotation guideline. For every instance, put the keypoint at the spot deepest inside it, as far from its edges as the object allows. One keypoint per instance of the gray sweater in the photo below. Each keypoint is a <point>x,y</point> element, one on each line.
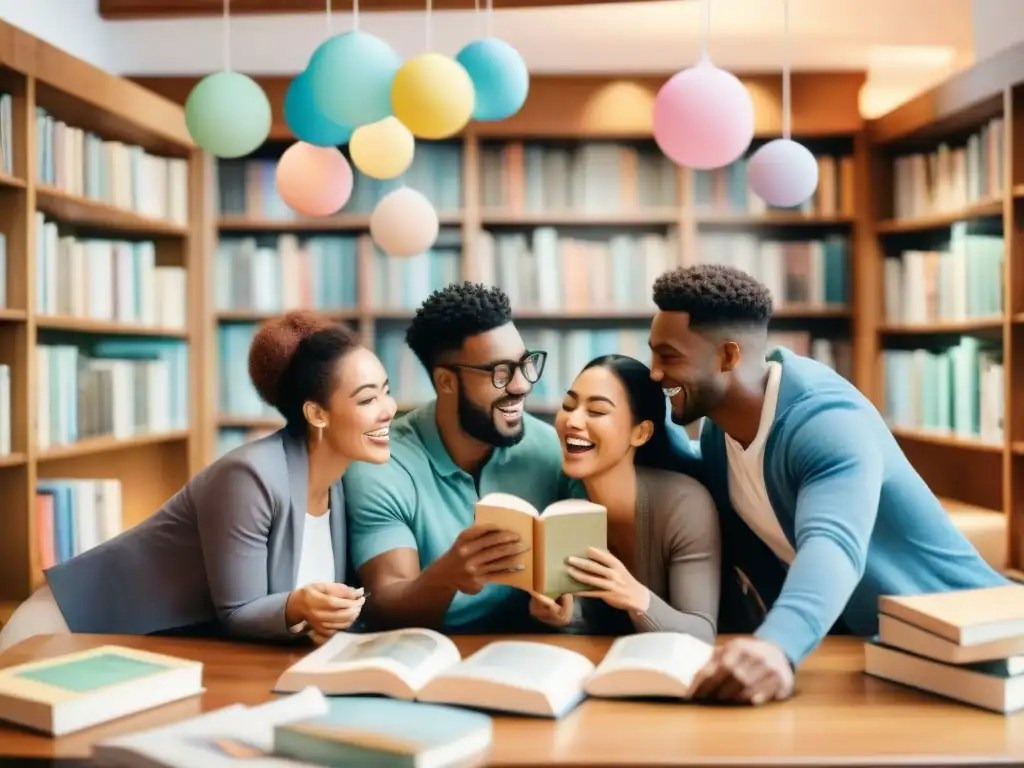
<point>678,558</point>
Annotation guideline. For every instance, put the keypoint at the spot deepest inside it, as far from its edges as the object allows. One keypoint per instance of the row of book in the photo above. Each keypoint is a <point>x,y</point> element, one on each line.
<point>965,645</point>
<point>73,515</point>
<point>727,190</point>
<point>957,391</point>
<point>951,177</point>
<point>959,281</point>
<point>587,178</point>
<point>6,134</point>
<point>5,410</point>
<point>3,270</point>
<point>113,387</point>
<point>247,188</point>
<point>122,175</point>
<point>115,280</point>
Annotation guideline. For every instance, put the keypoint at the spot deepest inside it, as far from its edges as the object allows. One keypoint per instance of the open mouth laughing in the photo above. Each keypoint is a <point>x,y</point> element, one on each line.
<point>576,445</point>
<point>379,436</point>
<point>511,412</point>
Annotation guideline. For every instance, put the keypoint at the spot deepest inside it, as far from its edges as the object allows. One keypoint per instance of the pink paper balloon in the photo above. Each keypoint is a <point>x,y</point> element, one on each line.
<point>783,173</point>
<point>314,181</point>
<point>703,117</point>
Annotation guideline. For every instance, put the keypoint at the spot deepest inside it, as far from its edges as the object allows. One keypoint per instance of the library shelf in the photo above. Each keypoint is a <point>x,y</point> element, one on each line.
<point>942,219</point>
<point>775,219</point>
<point>75,209</point>
<point>6,180</point>
<point>970,131</point>
<point>947,440</point>
<point>257,316</point>
<point>54,98</point>
<point>106,327</point>
<point>345,222</point>
<point>613,218</point>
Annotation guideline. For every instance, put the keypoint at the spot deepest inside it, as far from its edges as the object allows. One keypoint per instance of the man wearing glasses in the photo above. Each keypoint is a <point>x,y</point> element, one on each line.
<point>411,531</point>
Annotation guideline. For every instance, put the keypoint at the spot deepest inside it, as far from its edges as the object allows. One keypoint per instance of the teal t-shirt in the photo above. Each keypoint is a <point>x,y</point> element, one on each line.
<point>420,499</point>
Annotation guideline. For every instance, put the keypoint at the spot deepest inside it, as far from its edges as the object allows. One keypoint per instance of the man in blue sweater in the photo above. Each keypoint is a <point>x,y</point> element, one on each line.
<point>819,507</point>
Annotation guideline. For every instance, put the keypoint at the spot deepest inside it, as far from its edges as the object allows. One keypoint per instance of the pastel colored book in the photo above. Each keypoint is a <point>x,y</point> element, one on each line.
<point>562,530</point>
<point>1007,653</point>
<point>965,617</point>
<point>386,733</point>
<point>987,685</point>
<point>75,691</point>
<point>520,677</point>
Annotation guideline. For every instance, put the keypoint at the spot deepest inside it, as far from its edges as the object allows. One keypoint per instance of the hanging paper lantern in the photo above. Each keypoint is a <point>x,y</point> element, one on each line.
<point>404,223</point>
<point>228,114</point>
<point>500,78</point>
<point>383,150</point>
<point>306,120</point>
<point>703,117</point>
<point>350,76</point>
<point>314,181</point>
<point>783,173</point>
<point>433,96</point>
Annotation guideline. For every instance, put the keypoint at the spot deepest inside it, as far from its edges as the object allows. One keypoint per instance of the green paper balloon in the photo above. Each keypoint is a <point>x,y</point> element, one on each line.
<point>228,114</point>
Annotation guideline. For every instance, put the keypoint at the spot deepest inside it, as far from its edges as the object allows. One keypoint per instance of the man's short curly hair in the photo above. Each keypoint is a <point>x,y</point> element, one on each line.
<point>714,294</point>
<point>453,314</point>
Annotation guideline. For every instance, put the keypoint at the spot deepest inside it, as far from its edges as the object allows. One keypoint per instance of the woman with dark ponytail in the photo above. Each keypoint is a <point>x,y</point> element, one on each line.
<point>254,546</point>
<point>662,572</point>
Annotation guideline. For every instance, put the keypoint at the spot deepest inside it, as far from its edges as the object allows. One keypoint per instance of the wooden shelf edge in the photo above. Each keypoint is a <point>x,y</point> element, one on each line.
<point>955,326</point>
<point>96,445</point>
<point>980,210</point>
<point>345,222</point>
<point>14,459</point>
<point>949,441</point>
<point>6,180</point>
<point>1015,574</point>
<point>75,209</point>
<point>774,218</point>
<point>258,316</point>
<point>112,327</point>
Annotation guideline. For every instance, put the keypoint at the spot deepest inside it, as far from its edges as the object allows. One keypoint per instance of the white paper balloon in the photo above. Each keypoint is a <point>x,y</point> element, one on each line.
<point>404,223</point>
<point>783,173</point>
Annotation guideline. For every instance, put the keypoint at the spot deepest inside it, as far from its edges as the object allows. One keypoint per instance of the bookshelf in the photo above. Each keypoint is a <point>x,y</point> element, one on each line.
<point>573,178</point>
<point>101,204</point>
<point>944,268</point>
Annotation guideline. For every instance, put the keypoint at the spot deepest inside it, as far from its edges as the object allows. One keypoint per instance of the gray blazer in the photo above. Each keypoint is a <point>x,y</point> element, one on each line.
<point>223,550</point>
<point>677,557</point>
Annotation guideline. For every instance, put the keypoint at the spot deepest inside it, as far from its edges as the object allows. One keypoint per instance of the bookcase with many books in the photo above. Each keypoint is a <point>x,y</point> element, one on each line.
<point>945,265</point>
<point>569,206</point>
<point>99,188</point>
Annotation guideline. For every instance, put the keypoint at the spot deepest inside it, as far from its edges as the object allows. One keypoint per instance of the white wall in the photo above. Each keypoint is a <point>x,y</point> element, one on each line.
<point>998,24</point>
<point>74,26</point>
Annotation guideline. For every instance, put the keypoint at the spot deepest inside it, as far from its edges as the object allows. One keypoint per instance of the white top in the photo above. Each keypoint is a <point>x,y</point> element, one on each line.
<point>747,490</point>
<point>316,559</point>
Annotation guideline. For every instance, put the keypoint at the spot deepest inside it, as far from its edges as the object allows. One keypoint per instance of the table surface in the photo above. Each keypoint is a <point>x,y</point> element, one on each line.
<point>838,716</point>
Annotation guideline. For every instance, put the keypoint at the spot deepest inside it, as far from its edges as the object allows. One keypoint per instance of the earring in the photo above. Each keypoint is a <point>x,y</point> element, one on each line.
<point>319,434</point>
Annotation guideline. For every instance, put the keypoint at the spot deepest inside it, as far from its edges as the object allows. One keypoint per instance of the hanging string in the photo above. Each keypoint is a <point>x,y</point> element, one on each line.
<point>785,70</point>
<point>226,32</point>
<point>429,42</point>
<point>705,29</point>
<point>328,18</point>
<point>490,18</point>
<point>355,15</point>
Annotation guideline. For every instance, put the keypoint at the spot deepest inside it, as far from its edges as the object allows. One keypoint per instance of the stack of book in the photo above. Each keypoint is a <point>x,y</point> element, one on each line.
<point>966,645</point>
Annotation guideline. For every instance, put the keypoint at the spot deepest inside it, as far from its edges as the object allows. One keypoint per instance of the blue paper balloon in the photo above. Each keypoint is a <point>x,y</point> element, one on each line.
<point>228,114</point>
<point>306,121</point>
<point>499,76</point>
<point>350,77</point>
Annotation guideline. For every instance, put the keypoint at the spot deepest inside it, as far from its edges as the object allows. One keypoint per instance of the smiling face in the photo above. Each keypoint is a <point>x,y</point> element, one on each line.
<point>595,424</point>
<point>489,413</point>
<point>360,409</point>
<point>690,367</point>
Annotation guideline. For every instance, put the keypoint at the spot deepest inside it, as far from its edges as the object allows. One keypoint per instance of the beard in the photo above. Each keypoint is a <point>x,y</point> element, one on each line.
<point>695,406</point>
<point>479,423</point>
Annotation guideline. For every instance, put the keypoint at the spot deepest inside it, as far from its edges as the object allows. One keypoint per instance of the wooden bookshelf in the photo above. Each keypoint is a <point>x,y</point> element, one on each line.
<point>572,112</point>
<point>983,473</point>
<point>150,466</point>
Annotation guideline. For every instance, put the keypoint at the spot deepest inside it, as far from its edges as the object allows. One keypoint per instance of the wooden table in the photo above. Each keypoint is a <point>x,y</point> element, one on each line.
<point>839,716</point>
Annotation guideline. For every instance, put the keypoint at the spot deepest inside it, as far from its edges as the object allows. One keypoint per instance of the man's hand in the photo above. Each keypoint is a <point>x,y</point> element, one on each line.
<point>553,613</point>
<point>481,551</point>
<point>747,671</point>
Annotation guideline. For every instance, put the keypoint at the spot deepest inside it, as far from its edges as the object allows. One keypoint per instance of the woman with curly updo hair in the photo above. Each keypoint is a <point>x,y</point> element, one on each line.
<point>253,546</point>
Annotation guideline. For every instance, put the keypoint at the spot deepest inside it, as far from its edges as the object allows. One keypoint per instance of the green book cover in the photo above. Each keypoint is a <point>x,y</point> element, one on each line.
<point>567,529</point>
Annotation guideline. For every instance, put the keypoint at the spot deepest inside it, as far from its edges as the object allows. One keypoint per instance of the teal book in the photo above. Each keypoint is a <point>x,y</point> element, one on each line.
<point>68,693</point>
<point>387,733</point>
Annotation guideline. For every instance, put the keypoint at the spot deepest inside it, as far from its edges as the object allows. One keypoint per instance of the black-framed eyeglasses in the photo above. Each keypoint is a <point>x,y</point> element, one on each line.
<point>503,371</point>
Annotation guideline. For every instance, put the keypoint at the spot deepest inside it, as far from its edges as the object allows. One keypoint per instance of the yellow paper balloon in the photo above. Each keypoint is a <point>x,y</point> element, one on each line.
<point>433,96</point>
<point>382,150</point>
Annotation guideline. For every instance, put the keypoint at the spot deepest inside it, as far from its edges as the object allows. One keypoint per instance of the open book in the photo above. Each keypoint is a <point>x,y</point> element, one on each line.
<point>564,529</point>
<point>530,678</point>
